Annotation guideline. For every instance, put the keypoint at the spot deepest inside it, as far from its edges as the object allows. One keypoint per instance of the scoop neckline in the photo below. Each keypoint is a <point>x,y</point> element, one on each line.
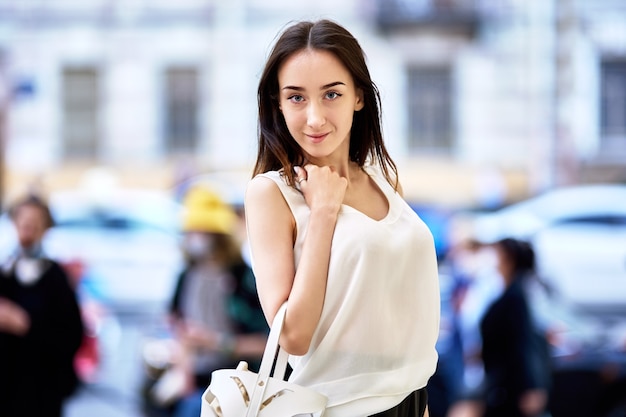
<point>385,190</point>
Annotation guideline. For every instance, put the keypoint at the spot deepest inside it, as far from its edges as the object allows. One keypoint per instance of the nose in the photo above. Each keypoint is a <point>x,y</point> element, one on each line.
<point>315,115</point>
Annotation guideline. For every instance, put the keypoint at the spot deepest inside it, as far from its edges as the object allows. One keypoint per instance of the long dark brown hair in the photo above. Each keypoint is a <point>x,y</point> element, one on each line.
<point>277,149</point>
<point>520,253</point>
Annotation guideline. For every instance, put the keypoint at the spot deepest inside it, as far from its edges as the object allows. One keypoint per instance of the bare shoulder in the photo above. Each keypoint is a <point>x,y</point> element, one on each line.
<point>262,190</point>
<point>265,201</point>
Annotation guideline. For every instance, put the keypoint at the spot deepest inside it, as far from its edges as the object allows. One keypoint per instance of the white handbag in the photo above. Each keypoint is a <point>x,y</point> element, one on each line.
<point>242,393</point>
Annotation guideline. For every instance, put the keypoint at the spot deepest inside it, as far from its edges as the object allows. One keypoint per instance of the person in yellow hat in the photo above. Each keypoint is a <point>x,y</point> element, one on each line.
<point>215,310</point>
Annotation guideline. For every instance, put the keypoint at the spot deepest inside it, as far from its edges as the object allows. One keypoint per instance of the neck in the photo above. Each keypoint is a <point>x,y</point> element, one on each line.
<point>339,161</point>
<point>31,251</point>
<point>345,168</point>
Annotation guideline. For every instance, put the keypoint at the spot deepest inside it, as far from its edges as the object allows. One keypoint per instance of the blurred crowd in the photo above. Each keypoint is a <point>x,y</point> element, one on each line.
<point>47,344</point>
<point>494,348</point>
<point>495,357</point>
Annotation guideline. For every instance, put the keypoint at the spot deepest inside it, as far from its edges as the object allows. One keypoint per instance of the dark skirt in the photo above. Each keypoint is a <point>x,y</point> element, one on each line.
<point>412,406</point>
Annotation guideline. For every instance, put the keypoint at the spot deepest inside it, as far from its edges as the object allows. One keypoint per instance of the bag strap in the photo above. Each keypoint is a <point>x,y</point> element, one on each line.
<point>267,362</point>
<point>281,364</point>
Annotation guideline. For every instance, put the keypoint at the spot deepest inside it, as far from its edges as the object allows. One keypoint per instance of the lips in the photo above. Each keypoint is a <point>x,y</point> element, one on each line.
<point>317,138</point>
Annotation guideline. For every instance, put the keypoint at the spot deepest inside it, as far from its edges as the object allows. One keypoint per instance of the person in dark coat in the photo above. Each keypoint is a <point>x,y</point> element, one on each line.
<point>40,322</point>
<point>514,353</point>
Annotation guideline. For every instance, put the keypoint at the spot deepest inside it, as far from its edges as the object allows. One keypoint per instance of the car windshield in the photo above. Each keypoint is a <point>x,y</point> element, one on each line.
<point>609,220</point>
<point>129,210</point>
<point>112,221</point>
<point>574,203</point>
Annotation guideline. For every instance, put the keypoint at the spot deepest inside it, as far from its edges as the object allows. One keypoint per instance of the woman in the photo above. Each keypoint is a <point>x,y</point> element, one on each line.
<point>331,235</point>
<point>215,310</point>
<point>514,352</point>
<point>40,322</point>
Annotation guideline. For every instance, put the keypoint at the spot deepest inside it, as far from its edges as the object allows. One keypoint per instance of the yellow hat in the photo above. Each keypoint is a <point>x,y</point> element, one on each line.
<point>205,211</point>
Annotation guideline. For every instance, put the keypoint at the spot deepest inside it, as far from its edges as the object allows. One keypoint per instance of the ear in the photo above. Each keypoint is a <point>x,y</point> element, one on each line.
<point>359,103</point>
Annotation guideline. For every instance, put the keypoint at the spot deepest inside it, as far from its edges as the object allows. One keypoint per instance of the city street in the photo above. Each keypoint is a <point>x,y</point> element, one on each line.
<point>117,391</point>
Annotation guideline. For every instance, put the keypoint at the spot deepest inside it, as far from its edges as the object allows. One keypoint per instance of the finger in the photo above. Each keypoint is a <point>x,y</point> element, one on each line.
<point>301,174</point>
<point>308,167</point>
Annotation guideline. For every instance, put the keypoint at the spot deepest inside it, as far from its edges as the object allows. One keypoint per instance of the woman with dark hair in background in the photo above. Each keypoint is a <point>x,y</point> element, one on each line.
<point>40,322</point>
<point>514,352</point>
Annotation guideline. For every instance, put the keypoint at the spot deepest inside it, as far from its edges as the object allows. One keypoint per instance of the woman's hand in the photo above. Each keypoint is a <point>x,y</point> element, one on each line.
<point>196,336</point>
<point>13,318</point>
<point>322,187</point>
<point>533,402</point>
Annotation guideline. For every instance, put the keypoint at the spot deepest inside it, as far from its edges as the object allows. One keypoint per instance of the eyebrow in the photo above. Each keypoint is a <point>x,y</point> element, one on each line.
<point>324,87</point>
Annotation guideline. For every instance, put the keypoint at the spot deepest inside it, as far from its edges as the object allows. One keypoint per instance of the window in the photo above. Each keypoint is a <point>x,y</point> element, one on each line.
<point>613,101</point>
<point>430,107</point>
<point>80,112</point>
<point>181,104</point>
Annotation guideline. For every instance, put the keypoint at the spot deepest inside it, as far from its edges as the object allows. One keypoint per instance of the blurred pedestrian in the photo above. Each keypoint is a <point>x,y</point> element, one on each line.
<point>40,321</point>
<point>514,351</point>
<point>331,235</point>
<point>216,314</point>
<point>472,287</point>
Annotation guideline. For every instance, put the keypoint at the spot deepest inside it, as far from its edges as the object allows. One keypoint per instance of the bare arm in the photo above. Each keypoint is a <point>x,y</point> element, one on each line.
<point>271,231</point>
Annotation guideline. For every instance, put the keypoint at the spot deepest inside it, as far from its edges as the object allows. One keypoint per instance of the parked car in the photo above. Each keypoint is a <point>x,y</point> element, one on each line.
<point>579,237</point>
<point>127,242</point>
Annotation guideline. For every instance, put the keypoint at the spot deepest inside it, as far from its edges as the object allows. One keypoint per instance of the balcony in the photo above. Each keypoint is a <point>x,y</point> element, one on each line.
<point>457,15</point>
<point>106,13</point>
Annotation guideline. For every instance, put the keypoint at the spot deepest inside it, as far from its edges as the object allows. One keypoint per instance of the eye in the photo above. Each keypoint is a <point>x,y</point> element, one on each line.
<point>296,98</point>
<point>332,95</point>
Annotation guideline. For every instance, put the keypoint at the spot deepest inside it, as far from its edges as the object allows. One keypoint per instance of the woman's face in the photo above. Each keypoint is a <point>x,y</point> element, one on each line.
<point>504,264</point>
<point>198,245</point>
<point>318,100</point>
<point>30,224</point>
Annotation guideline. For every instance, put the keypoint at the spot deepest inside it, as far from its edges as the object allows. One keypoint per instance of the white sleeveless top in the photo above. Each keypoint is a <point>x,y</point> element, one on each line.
<point>375,341</point>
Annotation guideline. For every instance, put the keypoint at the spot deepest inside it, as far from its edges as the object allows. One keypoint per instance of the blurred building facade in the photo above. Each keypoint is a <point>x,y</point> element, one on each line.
<point>484,100</point>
